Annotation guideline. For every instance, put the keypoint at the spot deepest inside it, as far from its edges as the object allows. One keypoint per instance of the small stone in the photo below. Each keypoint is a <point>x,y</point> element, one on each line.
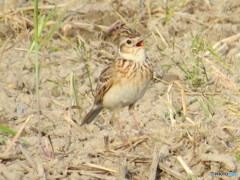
<point>56,92</point>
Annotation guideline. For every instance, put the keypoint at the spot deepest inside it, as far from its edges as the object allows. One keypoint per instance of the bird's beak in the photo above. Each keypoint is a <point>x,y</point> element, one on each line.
<point>140,43</point>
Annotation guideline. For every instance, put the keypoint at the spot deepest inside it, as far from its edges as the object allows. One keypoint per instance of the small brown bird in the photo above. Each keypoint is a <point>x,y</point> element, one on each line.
<point>125,80</point>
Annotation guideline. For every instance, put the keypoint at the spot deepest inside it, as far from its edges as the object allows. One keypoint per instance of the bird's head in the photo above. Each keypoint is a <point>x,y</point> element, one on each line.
<point>131,45</point>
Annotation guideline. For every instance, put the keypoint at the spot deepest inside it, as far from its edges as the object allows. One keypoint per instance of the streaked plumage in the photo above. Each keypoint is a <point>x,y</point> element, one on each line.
<point>124,81</point>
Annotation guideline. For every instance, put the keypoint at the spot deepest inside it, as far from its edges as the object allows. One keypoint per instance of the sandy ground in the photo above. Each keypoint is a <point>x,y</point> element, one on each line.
<point>196,54</point>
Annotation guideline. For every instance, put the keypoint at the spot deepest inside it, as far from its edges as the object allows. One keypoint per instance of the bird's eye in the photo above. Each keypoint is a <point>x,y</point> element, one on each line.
<point>129,41</point>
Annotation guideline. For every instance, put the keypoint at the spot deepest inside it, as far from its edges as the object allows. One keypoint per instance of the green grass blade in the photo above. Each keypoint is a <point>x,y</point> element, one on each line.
<point>43,21</point>
<point>73,93</point>
<point>204,107</point>
<point>53,28</point>
<point>32,46</point>
<point>7,130</point>
<point>11,132</point>
<point>219,58</point>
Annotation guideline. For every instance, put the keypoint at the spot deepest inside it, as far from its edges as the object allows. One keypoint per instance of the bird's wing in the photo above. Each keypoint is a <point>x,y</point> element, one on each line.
<point>105,82</point>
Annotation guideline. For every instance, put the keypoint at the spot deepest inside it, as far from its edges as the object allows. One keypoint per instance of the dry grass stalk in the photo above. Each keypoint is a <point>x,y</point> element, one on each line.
<point>110,56</point>
<point>228,82</point>
<point>234,149</point>
<point>172,172</point>
<point>227,129</point>
<point>62,176</point>
<point>155,161</point>
<point>233,107</point>
<point>71,122</point>
<point>15,138</point>
<point>138,141</point>
<point>170,106</point>
<point>4,48</point>
<point>190,18</point>
<point>112,27</point>
<point>225,144</point>
<point>90,165</point>
<point>129,156</point>
<point>231,127</point>
<point>17,23</point>
<point>48,148</point>
<point>234,111</point>
<point>12,12</point>
<point>121,17</point>
<point>189,120</point>
<point>106,143</point>
<point>40,169</point>
<point>207,3</point>
<point>185,167</point>
<point>161,36</point>
<point>131,142</point>
<point>58,103</point>
<point>157,40</point>
<point>122,169</point>
<point>56,177</point>
<point>227,161</point>
<point>27,156</point>
<point>148,9</point>
<point>225,41</point>
<point>190,137</point>
<point>224,46</point>
<point>183,98</point>
<point>24,165</point>
<point>94,175</point>
<point>82,26</point>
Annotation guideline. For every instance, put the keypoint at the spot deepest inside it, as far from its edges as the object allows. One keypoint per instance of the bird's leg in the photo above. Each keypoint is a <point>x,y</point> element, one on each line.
<point>131,112</point>
<point>116,113</point>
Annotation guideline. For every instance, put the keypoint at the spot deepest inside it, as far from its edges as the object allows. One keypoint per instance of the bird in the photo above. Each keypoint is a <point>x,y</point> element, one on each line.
<point>125,80</point>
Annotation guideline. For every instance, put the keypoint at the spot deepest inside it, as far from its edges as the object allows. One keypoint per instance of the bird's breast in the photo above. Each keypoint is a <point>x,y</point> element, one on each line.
<point>130,85</point>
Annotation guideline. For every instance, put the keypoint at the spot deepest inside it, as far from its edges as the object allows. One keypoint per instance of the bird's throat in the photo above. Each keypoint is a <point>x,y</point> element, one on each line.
<point>133,54</point>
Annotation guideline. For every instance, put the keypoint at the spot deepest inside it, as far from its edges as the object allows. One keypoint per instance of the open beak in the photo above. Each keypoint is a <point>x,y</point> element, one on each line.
<point>140,43</point>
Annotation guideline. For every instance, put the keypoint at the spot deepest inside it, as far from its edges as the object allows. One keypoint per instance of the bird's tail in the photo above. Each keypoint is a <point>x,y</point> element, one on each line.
<point>91,115</point>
